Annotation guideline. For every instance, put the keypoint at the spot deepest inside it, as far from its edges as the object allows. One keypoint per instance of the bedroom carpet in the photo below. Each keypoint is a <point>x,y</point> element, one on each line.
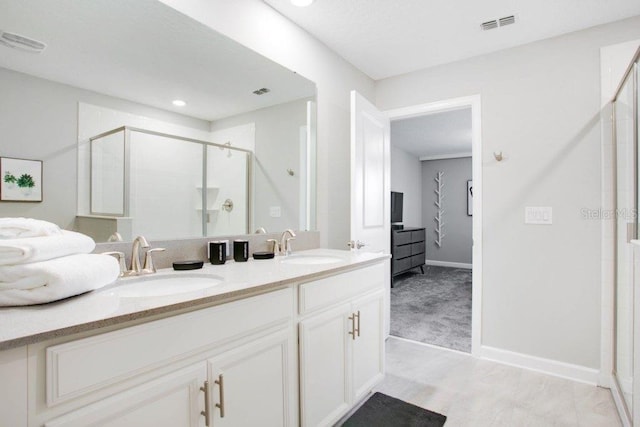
<point>434,307</point>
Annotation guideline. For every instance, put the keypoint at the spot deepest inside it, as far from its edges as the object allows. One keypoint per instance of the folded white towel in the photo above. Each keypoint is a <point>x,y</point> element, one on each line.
<point>59,278</point>
<point>13,228</point>
<point>34,249</point>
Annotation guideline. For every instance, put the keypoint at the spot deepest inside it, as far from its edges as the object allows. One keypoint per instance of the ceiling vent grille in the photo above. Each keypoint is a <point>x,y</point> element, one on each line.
<point>501,22</point>
<point>507,20</point>
<point>17,41</point>
<point>261,91</point>
<point>489,25</point>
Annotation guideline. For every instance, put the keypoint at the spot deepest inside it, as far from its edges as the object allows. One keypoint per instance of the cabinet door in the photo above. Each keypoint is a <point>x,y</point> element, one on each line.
<point>324,360</point>
<point>368,347</point>
<point>254,385</point>
<point>171,400</point>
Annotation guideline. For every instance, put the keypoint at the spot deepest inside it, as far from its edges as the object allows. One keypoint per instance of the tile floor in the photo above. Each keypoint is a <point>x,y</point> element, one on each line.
<point>473,392</point>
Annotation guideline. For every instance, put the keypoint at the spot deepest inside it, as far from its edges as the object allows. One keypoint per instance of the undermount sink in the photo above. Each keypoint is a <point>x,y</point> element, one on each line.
<point>311,259</point>
<point>163,285</point>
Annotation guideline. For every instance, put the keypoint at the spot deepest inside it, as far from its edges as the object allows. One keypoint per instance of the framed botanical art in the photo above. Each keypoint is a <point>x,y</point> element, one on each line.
<point>21,180</point>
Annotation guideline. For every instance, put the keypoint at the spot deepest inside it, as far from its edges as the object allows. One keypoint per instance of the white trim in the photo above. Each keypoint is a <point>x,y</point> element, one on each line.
<point>475,102</point>
<point>448,264</point>
<point>621,406</point>
<point>446,156</point>
<point>424,344</point>
<point>547,366</point>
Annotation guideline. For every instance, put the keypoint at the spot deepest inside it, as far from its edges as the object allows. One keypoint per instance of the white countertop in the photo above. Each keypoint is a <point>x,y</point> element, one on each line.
<point>104,307</point>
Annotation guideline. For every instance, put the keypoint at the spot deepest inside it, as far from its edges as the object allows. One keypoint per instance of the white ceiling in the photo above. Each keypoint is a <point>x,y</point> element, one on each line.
<point>446,133</point>
<point>146,52</point>
<point>385,38</point>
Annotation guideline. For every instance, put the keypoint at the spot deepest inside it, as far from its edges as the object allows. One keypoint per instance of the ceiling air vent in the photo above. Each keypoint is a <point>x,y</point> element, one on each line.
<point>17,41</point>
<point>489,25</point>
<point>507,20</point>
<point>262,91</point>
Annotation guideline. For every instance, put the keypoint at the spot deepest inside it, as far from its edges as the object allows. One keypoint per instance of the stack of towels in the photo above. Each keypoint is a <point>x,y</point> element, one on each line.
<point>41,263</point>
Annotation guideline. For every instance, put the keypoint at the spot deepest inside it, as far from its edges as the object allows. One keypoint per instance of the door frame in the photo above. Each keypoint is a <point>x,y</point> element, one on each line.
<point>475,102</point>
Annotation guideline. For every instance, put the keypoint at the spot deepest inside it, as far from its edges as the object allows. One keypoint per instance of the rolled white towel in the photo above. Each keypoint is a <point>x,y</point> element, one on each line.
<point>34,249</point>
<point>13,228</point>
<point>55,279</point>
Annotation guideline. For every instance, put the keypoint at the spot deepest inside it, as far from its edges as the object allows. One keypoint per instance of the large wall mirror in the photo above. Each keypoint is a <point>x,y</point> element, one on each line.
<point>97,106</point>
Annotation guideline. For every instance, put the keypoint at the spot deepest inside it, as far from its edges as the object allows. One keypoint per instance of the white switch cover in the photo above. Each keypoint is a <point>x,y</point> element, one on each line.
<point>538,215</point>
<point>275,211</point>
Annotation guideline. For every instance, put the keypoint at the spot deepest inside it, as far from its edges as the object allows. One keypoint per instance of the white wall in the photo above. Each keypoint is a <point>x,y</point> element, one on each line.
<point>540,107</point>
<point>458,227</point>
<point>406,177</point>
<point>256,25</point>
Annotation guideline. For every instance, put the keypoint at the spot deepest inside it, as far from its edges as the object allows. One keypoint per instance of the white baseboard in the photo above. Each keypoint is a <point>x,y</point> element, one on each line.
<point>547,366</point>
<point>448,264</point>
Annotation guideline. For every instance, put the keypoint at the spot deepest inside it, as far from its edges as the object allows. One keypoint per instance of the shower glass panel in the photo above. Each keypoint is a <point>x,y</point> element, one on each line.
<point>107,173</point>
<point>626,202</point>
<point>226,195</point>
<point>169,187</point>
<point>164,175</point>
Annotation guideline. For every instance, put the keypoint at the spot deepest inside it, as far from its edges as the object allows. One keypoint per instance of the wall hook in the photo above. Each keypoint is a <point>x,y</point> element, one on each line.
<point>290,172</point>
<point>498,155</point>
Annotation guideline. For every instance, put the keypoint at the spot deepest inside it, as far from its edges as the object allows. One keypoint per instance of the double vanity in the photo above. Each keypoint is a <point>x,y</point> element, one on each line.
<point>295,340</point>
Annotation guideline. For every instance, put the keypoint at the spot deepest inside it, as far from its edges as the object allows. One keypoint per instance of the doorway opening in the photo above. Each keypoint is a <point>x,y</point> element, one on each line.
<point>436,243</point>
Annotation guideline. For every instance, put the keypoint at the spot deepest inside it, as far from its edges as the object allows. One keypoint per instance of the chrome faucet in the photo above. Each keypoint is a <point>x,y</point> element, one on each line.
<point>285,242</point>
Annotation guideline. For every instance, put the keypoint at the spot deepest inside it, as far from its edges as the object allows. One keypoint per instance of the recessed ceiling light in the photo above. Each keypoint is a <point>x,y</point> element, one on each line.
<point>302,3</point>
<point>179,103</point>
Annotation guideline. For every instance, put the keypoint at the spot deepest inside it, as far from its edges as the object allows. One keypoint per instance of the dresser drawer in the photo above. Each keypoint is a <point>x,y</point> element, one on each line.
<point>400,265</point>
<point>336,289</point>
<point>402,251</point>
<point>401,237</point>
<point>90,364</point>
<point>417,248</point>
<point>417,260</point>
<point>417,236</point>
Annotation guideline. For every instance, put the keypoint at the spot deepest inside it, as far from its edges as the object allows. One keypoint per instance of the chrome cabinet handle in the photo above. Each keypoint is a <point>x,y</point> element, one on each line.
<point>220,382</point>
<point>358,328</point>
<point>205,413</point>
<point>353,330</point>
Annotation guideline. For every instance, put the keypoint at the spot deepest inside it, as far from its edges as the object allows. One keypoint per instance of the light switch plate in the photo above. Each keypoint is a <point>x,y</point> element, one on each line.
<point>540,215</point>
<point>275,211</point>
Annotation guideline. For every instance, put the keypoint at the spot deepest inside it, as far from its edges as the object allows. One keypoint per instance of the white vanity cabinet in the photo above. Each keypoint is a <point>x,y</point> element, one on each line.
<point>341,343</point>
<point>237,357</point>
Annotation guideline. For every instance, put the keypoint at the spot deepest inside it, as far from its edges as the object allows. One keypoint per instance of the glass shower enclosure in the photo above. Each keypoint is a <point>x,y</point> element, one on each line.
<point>168,187</point>
<point>626,270</point>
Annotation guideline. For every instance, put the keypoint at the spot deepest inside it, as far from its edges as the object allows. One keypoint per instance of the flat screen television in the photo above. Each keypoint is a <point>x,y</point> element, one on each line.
<point>396,207</point>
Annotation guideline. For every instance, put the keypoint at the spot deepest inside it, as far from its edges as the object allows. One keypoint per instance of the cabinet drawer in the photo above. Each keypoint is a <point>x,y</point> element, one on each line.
<point>417,236</point>
<point>401,238</point>
<point>338,288</point>
<point>90,364</point>
<point>417,260</point>
<point>401,251</point>
<point>400,265</point>
<point>417,248</point>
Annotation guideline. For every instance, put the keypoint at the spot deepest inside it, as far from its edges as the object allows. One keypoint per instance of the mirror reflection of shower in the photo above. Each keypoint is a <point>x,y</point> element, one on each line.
<point>149,183</point>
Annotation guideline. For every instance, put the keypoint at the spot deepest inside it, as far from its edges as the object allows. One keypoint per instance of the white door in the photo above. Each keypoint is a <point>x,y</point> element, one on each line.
<point>252,385</point>
<point>370,183</point>
<point>324,366</point>
<point>370,168</point>
<point>175,399</point>
<point>368,347</point>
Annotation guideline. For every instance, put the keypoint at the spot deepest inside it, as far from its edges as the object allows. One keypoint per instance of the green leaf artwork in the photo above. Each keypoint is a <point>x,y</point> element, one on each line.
<point>9,178</point>
<point>26,181</point>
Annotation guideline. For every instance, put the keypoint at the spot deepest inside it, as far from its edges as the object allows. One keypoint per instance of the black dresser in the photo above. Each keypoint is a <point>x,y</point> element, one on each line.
<point>407,250</point>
